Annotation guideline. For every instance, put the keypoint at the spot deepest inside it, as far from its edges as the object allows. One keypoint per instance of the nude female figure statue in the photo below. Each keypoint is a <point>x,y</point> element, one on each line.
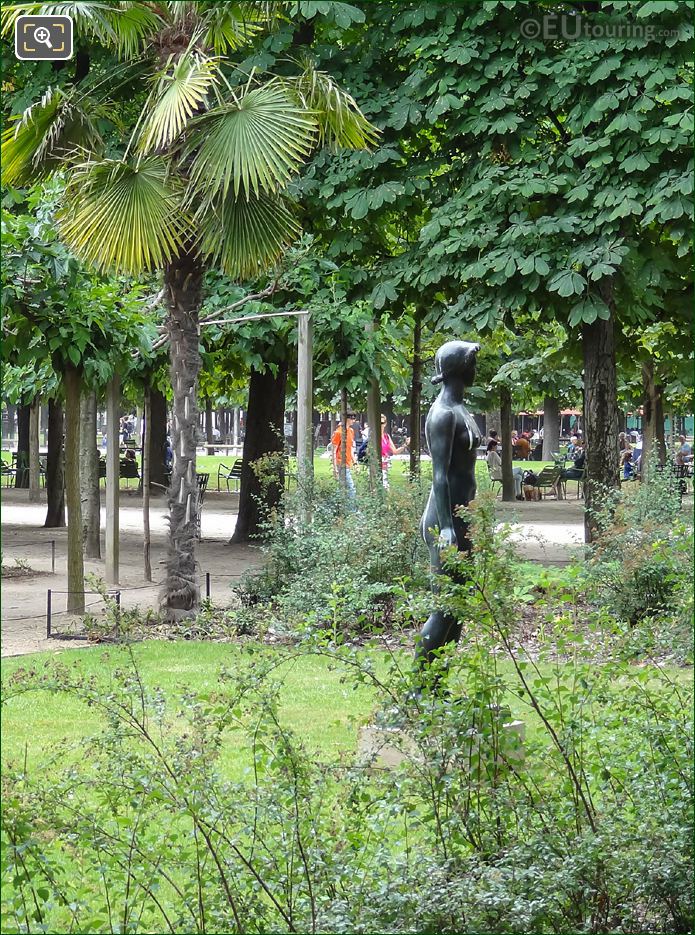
<point>452,437</point>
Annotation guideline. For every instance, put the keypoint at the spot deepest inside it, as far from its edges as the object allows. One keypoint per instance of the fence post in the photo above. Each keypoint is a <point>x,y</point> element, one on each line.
<point>48,614</point>
<point>53,556</point>
<point>207,584</point>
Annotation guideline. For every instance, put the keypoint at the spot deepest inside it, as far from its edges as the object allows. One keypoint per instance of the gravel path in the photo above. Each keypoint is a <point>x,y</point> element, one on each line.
<point>548,532</point>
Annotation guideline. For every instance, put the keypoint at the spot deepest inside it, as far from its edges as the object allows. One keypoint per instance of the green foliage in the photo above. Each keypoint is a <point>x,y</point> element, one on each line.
<point>641,569</point>
<point>585,827</point>
<point>56,311</point>
<point>347,572</point>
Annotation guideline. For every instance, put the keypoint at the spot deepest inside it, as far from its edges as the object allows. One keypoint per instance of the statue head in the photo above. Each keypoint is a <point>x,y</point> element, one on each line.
<point>455,359</point>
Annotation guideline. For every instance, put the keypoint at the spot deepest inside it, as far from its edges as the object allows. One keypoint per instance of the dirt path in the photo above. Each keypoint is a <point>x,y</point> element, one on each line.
<point>24,540</point>
<point>548,532</point>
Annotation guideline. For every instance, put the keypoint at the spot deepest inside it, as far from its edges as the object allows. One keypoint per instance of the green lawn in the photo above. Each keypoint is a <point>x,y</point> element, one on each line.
<point>315,702</point>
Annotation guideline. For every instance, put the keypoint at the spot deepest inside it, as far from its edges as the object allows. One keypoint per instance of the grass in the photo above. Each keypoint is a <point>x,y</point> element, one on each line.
<point>314,702</point>
<point>323,710</point>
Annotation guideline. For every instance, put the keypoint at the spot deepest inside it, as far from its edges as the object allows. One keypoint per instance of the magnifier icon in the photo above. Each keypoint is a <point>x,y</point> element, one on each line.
<point>41,34</point>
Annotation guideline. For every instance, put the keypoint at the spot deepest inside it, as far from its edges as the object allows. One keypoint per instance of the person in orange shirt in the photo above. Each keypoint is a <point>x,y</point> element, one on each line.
<point>336,454</point>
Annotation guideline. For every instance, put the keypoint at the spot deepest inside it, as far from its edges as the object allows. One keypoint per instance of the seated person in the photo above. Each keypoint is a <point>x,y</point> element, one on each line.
<point>129,465</point>
<point>685,450</point>
<point>522,447</point>
<point>572,448</point>
<point>494,463</point>
<point>577,471</point>
<point>628,467</point>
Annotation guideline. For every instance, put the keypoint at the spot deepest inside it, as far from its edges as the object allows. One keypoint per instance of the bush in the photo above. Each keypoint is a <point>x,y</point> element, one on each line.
<point>640,570</point>
<point>588,831</point>
<point>339,568</point>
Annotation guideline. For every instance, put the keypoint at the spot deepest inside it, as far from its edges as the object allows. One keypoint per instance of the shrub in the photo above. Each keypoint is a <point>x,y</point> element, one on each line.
<point>340,568</point>
<point>640,570</point>
<point>590,831</point>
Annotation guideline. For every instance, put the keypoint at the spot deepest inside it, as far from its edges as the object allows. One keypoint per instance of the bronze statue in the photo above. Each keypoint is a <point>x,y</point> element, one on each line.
<point>452,437</point>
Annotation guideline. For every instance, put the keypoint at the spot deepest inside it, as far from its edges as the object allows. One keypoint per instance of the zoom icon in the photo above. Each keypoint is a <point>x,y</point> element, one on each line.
<point>43,38</point>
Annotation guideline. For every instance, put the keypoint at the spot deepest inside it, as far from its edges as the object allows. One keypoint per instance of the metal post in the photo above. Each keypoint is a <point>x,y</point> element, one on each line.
<point>113,396</point>
<point>207,584</point>
<point>48,614</point>
<point>305,435</point>
<point>53,556</point>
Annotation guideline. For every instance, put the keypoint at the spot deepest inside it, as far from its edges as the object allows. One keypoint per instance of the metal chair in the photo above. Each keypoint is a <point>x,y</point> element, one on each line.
<point>549,479</point>
<point>202,482</point>
<point>227,474</point>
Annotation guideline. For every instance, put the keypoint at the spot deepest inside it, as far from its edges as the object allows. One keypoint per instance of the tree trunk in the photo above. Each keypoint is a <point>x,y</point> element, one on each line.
<point>415,397</point>
<point>89,475</point>
<point>23,432</point>
<point>157,431</point>
<point>653,418</point>
<point>73,386</point>
<point>146,417</point>
<point>492,421</point>
<point>11,418</point>
<point>600,413</point>
<point>551,426</point>
<point>34,463</point>
<point>508,492</point>
<point>236,419</point>
<point>55,481</point>
<point>342,476</point>
<point>183,281</point>
<point>389,413</point>
<point>263,437</point>
<point>209,434</point>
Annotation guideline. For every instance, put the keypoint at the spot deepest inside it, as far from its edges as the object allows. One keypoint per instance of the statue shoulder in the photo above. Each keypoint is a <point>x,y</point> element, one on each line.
<point>441,418</point>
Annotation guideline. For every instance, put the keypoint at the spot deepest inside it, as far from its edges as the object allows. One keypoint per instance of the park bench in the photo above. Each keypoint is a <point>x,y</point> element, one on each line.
<point>227,474</point>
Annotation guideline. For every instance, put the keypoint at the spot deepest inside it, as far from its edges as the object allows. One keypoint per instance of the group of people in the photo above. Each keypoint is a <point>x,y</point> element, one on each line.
<point>575,452</point>
<point>355,452</point>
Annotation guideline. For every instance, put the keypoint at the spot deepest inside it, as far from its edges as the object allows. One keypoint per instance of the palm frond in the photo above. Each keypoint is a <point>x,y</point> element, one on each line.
<point>48,133</point>
<point>243,237</point>
<point>341,122</point>
<point>123,216</point>
<point>224,27</point>
<point>251,145</point>
<point>125,27</point>
<point>180,89</point>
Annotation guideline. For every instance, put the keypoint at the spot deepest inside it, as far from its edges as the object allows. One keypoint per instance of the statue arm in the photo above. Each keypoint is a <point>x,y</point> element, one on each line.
<point>441,436</point>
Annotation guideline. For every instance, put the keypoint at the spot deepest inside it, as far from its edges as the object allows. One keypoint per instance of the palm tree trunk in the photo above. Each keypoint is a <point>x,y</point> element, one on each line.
<point>55,480</point>
<point>183,281</point>
<point>73,387</point>
<point>89,475</point>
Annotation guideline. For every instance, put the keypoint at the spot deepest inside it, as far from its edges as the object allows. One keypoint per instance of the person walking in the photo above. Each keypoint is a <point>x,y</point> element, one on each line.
<point>337,455</point>
<point>388,449</point>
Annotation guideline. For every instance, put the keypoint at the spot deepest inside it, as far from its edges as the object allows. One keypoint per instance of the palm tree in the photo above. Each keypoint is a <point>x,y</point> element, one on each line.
<point>197,180</point>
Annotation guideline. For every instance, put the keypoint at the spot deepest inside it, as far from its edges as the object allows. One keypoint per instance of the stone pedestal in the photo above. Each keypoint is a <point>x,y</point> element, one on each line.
<point>388,747</point>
